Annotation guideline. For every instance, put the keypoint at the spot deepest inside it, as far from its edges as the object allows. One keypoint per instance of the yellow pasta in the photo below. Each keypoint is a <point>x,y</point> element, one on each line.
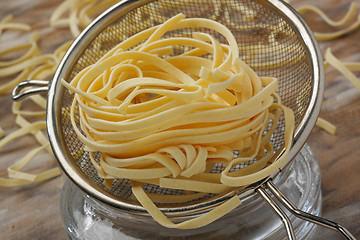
<point>331,60</point>
<point>345,68</point>
<point>6,23</point>
<point>76,15</point>
<point>31,64</point>
<point>345,20</point>
<point>13,170</point>
<point>327,126</point>
<point>17,177</point>
<point>340,23</point>
<point>338,65</point>
<point>168,119</point>
<point>339,33</point>
<point>201,221</point>
<point>39,135</point>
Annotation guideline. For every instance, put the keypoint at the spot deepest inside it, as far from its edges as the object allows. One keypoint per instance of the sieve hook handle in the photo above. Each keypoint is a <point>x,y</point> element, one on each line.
<point>297,212</point>
<point>29,87</point>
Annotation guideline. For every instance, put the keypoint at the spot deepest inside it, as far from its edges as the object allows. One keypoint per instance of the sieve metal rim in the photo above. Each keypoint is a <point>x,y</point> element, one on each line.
<point>302,132</point>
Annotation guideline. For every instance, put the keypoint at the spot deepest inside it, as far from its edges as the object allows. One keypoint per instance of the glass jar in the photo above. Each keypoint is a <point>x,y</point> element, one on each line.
<point>86,218</point>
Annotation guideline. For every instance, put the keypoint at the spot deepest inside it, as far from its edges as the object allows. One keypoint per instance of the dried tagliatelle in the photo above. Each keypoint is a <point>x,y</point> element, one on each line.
<point>340,23</point>
<point>19,63</point>
<point>326,125</point>
<point>77,14</point>
<point>345,25</point>
<point>1,132</point>
<point>161,115</point>
<point>344,68</point>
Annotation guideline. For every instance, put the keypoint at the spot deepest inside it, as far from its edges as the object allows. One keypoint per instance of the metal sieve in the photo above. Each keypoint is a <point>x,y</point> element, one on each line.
<point>292,56</point>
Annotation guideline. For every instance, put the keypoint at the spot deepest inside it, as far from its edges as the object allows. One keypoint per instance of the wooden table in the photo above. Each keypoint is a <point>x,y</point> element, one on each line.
<point>33,212</point>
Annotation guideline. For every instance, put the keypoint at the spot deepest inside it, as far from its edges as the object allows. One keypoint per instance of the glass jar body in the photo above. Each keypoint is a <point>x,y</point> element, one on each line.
<point>87,218</point>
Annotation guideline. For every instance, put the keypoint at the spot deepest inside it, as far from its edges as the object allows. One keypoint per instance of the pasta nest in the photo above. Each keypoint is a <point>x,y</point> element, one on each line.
<point>166,109</point>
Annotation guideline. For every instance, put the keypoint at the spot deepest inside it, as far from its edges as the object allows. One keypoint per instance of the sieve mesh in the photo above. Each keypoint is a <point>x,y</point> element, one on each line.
<point>268,41</point>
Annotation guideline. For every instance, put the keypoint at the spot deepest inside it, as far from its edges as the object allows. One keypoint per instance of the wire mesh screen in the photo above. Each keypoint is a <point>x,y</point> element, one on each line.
<point>268,42</point>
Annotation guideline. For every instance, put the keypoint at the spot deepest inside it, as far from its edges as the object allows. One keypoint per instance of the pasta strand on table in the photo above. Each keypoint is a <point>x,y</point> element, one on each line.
<point>31,64</point>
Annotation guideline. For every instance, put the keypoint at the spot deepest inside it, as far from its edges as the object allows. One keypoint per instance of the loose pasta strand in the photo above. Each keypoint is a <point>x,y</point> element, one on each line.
<point>31,64</point>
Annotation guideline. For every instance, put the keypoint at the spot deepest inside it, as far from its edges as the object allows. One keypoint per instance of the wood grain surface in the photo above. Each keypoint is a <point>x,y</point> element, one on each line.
<point>33,212</point>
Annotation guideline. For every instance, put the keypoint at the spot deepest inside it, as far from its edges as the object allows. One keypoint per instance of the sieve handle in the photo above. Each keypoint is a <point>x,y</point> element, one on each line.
<point>284,218</point>
<point>297,212</point>
<point>29,87</point>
